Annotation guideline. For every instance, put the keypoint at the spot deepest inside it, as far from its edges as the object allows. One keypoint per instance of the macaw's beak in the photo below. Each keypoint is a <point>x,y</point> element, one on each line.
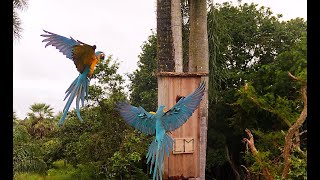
<point>102,57</point>
<point>165,109</point>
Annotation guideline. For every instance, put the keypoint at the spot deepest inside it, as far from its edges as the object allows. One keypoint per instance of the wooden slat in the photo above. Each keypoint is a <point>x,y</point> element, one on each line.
<point>183,74</point>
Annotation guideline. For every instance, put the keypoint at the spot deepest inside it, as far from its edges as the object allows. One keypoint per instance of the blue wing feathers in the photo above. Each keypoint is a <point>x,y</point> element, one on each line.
<point>171,120</point>
<point>79,87</point>
<point>183,109</point>
<point>137,117</point>
<point>63,44</point>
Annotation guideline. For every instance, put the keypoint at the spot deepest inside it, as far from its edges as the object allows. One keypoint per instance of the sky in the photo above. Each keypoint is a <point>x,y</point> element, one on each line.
<point>118,28</point>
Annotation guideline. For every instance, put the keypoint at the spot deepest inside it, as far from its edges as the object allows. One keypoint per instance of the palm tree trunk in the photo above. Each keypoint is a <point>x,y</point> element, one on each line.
<point>165,55</point>
<point>198,39</point>
<point>176,25</point>
<point>169,36</point>
<point>199,62</point>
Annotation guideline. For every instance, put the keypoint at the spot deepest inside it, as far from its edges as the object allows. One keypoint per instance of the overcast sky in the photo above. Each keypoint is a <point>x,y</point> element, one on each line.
<point>119,28</point>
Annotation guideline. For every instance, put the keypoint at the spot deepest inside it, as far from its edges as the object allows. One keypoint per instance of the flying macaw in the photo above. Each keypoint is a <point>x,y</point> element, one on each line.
<point>160,123</point>
<point>85,58</point>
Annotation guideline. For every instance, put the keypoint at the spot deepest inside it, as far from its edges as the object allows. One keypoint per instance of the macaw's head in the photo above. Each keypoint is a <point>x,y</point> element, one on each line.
<point>178,97</point>
<point>100,55</point>
<point>162,108</point>
<point>165,109</point>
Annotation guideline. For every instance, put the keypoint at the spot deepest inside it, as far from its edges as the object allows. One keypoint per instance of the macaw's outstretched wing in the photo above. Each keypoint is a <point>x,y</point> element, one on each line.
<point>81,53</point>
<point>183,109</point>
<point>137,117</point>
<point>63,44</point>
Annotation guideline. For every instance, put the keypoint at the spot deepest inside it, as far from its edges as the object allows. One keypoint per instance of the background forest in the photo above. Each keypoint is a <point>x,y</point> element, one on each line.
<point>257,81</point>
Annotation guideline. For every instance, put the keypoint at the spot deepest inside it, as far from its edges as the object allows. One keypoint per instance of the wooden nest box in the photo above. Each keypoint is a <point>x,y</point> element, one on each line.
<point>184,160</point>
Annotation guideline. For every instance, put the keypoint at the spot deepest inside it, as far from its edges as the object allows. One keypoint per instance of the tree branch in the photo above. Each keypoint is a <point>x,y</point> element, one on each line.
<point>254,151</point>
<point>291,132</point>
<point>292,76</point>
<point>255,100</point>
<point>232,164</point>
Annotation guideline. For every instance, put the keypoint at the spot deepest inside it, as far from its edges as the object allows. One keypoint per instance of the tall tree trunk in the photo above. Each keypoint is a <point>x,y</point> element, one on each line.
<point>169,50</point>
<point>198,39</point>
<point>199,62</point>
<point>165,53</point>
<point>176,25</point>
<point>169,36</point>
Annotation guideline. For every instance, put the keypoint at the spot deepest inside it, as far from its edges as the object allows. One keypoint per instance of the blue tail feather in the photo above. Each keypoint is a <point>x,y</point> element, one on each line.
<point>79,89</point>
<point>157,155</point>
<point>68,91</point>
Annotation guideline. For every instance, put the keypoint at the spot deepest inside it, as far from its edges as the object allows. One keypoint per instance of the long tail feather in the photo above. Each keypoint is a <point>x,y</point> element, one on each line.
<point>79,89</point>
<point>156,154</point>
<point>68,91</point>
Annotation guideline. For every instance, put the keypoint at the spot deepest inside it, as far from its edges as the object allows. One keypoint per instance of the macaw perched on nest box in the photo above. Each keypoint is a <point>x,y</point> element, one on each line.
<point>160,123</point>
<point>85,58</point>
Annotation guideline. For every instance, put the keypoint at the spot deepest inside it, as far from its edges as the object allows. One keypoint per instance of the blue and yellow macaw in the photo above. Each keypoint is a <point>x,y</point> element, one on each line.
<point>85,58</point>
<point>160,123</point>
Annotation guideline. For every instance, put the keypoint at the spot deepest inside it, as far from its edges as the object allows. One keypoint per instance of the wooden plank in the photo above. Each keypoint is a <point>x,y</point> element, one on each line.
<point>183,74</point>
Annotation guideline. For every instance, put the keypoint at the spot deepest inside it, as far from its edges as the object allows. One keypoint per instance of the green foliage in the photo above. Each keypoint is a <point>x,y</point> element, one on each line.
<point>94,147</point>
<point>28,158</point>
<point>251,52</point>
<point>298,168</point>
<point>143,85</point>
<point>18,5</point>
<point>83,147</point>
<point>247,45</point>
<point>64,171</point>
<point>272,141</point>
<point>51,149</point>
<point>30,176</point>
<point>61,170</point>
<point>40,120</point>
<point>14,116</point>
<point>126,163</point>
<point>218,72</point>
<point>97,148</point>
<point>40,111</point>
<point>216,156</point>
<point>85,171</point>
<point>20,134</point>
<point>286,106</point>
<point>27,154</point>
<point>256,167</point>
<point>106,82</point>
